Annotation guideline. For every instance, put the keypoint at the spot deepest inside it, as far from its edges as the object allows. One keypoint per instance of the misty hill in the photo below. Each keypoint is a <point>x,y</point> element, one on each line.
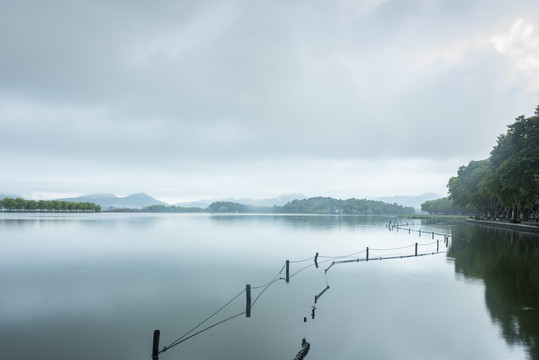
<point>277,201</point>
<point>315,205</point>
<point>409,200</point>
<point>327,205</point>
<point>110,201</point>
<point>3,196</point>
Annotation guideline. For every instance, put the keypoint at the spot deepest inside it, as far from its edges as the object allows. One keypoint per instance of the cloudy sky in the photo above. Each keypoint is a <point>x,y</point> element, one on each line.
<point>187,100</point>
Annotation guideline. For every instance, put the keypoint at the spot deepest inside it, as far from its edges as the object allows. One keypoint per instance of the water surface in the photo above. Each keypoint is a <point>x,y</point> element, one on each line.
<point>95,286</point>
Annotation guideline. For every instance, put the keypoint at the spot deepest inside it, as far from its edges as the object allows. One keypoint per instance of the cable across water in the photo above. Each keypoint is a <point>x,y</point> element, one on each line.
<point>334,261</point>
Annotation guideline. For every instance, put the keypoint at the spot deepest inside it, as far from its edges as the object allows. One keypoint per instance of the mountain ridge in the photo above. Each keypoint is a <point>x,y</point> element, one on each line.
<point>141,200</point>
<point>279,201</point>
<point>110,201</point>
<point>414,201</point>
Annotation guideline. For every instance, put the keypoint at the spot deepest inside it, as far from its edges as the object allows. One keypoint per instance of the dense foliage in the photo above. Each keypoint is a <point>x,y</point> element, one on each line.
<point>507,183</point>
<point>443,206</point>
<point>227,206</point>
<point>19,204</point>
<point>216,207</point>
<point>327,205</point>
<point>316,205</point>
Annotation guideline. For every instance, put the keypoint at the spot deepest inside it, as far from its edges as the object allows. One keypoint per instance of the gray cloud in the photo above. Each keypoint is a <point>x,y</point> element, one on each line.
<point>176,85</point>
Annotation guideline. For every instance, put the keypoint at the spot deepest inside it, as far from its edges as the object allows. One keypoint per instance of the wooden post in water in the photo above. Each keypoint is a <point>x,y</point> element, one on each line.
<point>367,257</point>
<point>155,349</point>
<point>287,270</point>
<point>248,300</point>
<point>433,234</point>
<point>419,232</point>
<point>437,245</point>
<point>415,249</point>
<point>316,260</point>
<point>408,230</point>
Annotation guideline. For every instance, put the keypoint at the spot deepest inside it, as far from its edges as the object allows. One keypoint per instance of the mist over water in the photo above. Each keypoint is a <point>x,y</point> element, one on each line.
<point>96,286</point>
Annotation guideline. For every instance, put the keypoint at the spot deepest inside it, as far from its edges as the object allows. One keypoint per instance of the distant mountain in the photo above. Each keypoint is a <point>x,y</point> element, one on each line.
<point>2,196</point>
<point>409,200</point>
<point>110,201</point>
<point>278,201</point>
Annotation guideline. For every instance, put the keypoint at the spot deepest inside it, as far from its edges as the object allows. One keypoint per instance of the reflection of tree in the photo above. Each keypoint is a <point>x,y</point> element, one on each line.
<point>508,263</point>
<point>318,222</point>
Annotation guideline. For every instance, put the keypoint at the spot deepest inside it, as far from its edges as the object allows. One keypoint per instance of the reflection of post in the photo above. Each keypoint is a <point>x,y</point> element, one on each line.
<point>155,350</point>
<point>316,297</point>
<point>248,300</point>
<point>305,346</point>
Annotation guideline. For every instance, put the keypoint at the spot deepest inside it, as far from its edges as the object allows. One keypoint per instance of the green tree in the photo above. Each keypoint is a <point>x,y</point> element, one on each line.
<point>227,207</point>
<point>42,205</point>
<point>468,191</point>
<point>327,205</point>
<point>8,203</point>
<point>443,206</point>
<point>20,204</point>
<point>508,181</point>
<point>31,205</point>
<point>514,171</point>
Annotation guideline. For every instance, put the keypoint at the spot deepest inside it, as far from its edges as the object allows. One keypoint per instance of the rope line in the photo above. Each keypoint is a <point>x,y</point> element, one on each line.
<point>397,248</point>
<point>299,261</point>
<point>199,332</point>
<point>341,256</point>
<point>271,281</point>
<point>300,270</point>
<point>344,259</point>
<point>407,227</point>
<point>259,295</point>
<point>183,337</point>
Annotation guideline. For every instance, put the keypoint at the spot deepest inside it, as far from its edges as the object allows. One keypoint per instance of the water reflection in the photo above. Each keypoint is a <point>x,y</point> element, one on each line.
<point>318,222</point>
<point>508,264</point>
<point>96,286</point>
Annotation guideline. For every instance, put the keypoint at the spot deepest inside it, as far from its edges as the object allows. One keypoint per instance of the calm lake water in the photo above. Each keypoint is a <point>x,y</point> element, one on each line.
<point>95,286</point>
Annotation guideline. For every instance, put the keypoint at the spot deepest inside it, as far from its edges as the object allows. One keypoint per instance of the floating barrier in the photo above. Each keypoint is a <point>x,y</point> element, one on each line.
<point>346,259</point>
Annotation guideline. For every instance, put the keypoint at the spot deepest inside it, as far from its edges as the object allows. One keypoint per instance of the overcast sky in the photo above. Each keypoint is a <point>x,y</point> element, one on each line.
<point>186,100</point>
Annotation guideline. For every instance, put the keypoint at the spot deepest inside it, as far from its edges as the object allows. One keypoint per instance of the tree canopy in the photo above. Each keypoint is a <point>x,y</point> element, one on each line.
<point>443,206</point>
<point>315,205</point>
<point>327,205</point>
<point>507,183</point>
<point>19,204</point>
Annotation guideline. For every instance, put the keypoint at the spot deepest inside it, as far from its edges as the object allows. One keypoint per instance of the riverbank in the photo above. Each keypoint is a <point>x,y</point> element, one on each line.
<point>525,227</point>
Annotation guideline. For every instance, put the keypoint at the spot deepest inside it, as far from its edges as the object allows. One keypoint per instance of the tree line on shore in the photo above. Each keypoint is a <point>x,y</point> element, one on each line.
<point>506,185</point>
<point>315,205</point>
<point>19,204</point>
